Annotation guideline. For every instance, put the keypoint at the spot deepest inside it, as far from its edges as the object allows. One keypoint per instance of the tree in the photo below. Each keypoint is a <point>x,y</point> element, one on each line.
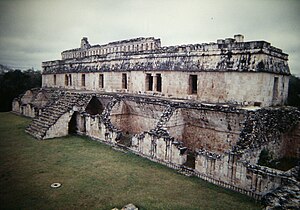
<point>13,83</point>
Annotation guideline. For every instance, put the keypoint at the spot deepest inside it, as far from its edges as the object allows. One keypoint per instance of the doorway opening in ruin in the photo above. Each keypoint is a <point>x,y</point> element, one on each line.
<point>101,80</point>
<point>83,80</point>
<point>94,106</point>
<point>125,139</point>
<point>66,80</point>
<point>193,84</point>
<point>275,88</point>
<point>190,161</point>
<point>70,79</point>
<point>73,124</point>
<point>124,81</point>
<point>149,82</point>
<point>158,82</point>
<point>54,79</point>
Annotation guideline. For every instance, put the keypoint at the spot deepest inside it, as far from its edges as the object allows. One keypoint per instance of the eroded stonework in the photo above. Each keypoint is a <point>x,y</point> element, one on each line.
<point>229,71</point>
<point>213,121</point>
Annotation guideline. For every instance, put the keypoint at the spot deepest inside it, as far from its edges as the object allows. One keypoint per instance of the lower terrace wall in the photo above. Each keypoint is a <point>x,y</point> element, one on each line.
<point>227,148</point>
<point>27,110</point>
<point>216,131</point>
<point>232,170</point>
<point>135,118</point>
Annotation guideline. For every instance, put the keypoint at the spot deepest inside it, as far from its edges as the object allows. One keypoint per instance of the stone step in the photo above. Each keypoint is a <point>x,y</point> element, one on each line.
<point>43,124</point>
<point>35,132</point>
<point>38,128</point>
<point>49,119</point>
<point>56,109</point>
<point>52,112</point>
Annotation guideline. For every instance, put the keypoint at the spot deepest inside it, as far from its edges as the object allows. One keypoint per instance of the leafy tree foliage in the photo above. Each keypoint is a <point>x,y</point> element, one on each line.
<point>13,83</point>
<point>294,91</point>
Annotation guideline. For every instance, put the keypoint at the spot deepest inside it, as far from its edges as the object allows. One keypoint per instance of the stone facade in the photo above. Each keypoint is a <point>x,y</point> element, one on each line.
<point>211,120</point>
<point>226,139</point>
<point>229,71</point>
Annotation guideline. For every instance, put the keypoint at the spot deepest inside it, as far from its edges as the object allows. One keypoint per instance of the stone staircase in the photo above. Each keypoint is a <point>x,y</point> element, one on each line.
<point>62,103</point>
<point>165,117</point>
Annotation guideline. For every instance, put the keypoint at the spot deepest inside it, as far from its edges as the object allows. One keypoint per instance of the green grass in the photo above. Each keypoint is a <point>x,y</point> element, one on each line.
<point>94,176</point>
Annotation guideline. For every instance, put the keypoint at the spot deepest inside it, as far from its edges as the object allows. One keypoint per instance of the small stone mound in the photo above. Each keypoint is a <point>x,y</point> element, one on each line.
<point>128,207</point>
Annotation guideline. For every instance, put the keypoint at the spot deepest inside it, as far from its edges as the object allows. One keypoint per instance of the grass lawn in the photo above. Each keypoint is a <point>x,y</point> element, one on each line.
<point>94,176</point>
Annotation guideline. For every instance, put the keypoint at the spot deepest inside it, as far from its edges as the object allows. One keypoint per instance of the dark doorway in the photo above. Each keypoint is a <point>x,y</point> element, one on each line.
<point>125,139</point>
<point>101,81</point>
<point>193,84</point>
<point>191,158</point>
<point>73,124</point>
<point>94,107</point>
<point>124,81</point>
<point>275,89</point>
<point>149,82</point>
<point>158,82</point>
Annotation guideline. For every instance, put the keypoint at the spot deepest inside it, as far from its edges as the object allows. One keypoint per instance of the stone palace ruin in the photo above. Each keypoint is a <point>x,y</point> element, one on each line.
<point>208,110</point>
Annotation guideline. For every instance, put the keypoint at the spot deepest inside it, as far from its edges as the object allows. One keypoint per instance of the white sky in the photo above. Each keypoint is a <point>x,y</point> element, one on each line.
<point>32,31</point>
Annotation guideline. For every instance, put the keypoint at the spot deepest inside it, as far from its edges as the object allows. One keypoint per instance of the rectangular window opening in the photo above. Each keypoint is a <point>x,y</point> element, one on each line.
<point>275,88</point>
<point>70,79</point>
<point>193,84</point>
<point>54,79</point>
<point>158,82</point>
<point>149,82</point>
<point>83,80</point>
<point>101,81</point>
<point>66,80</point>
<point>124,81</point>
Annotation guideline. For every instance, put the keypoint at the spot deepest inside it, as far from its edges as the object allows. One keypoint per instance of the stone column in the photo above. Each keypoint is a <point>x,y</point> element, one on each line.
<point>154,88</point>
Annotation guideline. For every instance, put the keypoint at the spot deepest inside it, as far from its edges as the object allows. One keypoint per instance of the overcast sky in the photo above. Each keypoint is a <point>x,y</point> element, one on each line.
<point>33,31</point>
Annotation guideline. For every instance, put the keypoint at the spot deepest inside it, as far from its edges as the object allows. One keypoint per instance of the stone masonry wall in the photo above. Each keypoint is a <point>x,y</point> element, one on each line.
<point>233,55</point>
<point>60,128</point>
<point>229,71</point>
<point>135,117</point>
<point>205,129</point>
<point>227,139</point>
<point>262,89</point>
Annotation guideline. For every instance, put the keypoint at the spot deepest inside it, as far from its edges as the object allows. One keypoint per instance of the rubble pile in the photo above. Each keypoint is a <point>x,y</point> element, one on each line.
<point>266,125</point>
<point>286,196</point>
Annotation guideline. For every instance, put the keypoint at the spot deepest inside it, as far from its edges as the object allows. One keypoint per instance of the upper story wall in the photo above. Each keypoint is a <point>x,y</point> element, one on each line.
<point>229,71</point>
<point>246,88</point>
<point>131,45</point>
<point>231,54</point>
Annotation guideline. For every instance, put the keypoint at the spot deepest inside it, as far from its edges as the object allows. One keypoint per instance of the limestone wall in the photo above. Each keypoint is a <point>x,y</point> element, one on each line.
<point>135,117</point>
<point>231,170</point>
<point>226,139</point>
<point>61,127</point>
<point>230,55</point>
<point>263,89</point>
<point>131,45</point>
<point>27,110</point>
<point>205,129</point>
<point>96,129</point>
<point>229,71</point>
<point>161,149</point>
<point>16,106</point>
